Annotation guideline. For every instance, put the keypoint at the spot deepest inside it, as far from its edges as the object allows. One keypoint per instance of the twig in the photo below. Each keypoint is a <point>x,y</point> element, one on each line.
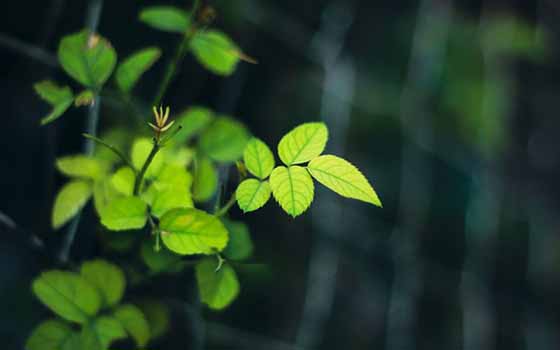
<point>140,176</point>
<point>112,148</point>
<point>223,210</point>
<point>31,51</point>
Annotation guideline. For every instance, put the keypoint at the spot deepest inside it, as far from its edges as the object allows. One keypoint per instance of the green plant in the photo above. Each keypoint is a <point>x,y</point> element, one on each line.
<point>163,183</point>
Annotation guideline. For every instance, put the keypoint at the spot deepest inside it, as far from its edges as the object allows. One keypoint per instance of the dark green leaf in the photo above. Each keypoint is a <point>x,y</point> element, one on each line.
<point>129,71</point>
<point>166,18</point>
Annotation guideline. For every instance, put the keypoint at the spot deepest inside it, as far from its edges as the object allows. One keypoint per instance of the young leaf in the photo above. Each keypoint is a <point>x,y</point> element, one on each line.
<point>123,180</point>
<point>126,213</point>
<point>71,198</point>
<point>60,98</point>
<point>82,166</point>
<point>252,194</point>
<point>216,52</point>
<point>103,193</point>
<point>292,188</point>
<point>224,140</point>
<point>171,198</point>
<point>89,59</point>
<point>68,295</point>
<point>107,278</point>
<point>140,150</point>
<point>240,245</point>
<point>100,333</point>
<point>343,178</point>
<point>193,121</point>
<point>192,231</point>
<point>132,68</point>
<point>205,180</point>
<point>258,158</point>
<point>134,322</point>
<point>303,143</point>
<point>219,288</point>
<point>49,335</point>
<point>165,18</point>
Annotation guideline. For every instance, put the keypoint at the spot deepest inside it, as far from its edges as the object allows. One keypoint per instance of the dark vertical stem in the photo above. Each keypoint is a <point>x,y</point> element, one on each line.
<point>142,172</point>
<point>92,22</point>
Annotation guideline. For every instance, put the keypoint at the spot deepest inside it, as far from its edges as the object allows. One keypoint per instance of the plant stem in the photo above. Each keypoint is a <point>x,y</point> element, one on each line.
<point>171,69</point>
<point>142,172</point>
<point>223,210</point>
<point>111,148</point>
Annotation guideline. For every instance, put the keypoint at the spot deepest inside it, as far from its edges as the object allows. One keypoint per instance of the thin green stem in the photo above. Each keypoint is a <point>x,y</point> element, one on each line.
<point>140,176</point>
<point>223,210</point>
<point>111,148</point>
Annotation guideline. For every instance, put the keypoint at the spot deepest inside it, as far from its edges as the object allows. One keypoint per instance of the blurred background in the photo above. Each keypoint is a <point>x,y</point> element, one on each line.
<point>448,107</point>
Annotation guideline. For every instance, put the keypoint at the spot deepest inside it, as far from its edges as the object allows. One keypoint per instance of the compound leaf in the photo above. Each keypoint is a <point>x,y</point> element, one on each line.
<point>292,188</point>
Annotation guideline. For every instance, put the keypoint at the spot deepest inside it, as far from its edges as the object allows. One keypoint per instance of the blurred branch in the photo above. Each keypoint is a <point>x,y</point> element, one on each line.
<point>34,52</point>
<point>238,339</point>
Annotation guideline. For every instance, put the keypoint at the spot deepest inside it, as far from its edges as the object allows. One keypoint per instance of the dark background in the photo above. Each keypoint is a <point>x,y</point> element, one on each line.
<point>455,124</point>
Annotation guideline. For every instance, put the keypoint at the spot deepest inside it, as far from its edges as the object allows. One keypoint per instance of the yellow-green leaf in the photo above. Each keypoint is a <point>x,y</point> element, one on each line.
<point>82,166</point>
<point>123,180</point>
<point>67,294</point>
<point>193,121</point>
<point>192,231</point>
<point>107,278</point>
<point>216,52</point>
<point>205,179</point>
<point>126,213</point>
<point>71,198</point>
<point>343,178</point>
<point>59,97</point>
<point>171,198</point>
<point>166,18</point>
<point>103,193</point>
<point>132,68</point>
<point>219,288</point>
<point>251,194</point>
<point>224,140</point>
<point>134,322</point>
<point>49,335</point>
<point>303,143</point>
<point>292,188</point>
<point>141,149</point>
<point>258,158</point>
<point>240,245</point>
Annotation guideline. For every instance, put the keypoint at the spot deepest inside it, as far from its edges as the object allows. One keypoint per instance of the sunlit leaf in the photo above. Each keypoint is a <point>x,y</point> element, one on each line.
<point>192,231</point>
<point>107,278</point>
<point>224,140</point>
<point>140,151</point>
<point>132,68</point>
<point>68,295</point>
<point>103,193</point>
<point>82,166</point>
<point>216,52</point>
<point>134,322</point>
<point>49,335</point>
<point>166,18</point>
<point>258,158</point>
<point>68,202</point>
<point>303,143</point>
<point>59,97</point>
<point>193,121</point>
<point>251,194</point>
<point>126,213</point>
<point>205,180</point>
<point>219,288</point>
<point>123,180</point>
<point>343,178</point>
<point>90,59</point>
<point>171,198</point>
<point>240,245</point>
<point>292,188</point>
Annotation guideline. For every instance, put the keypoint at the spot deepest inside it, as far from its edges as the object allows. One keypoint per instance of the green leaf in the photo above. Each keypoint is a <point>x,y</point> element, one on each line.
<point>192,231</point>
<point>68,202</point>
<point>160,261</point>
<point>252,194</point>
<point>343,178</point>
<point>89,59</point>
<point>217,288</point>
<point>170,190</point>
<point>134,322</point>
<point>68,295</point>
<point>49,335</point>
<point>258,158</point>
<point>100,333</point>
<point>171,198</point>
<point>141,148</point>
<point>224,140</point>
<point>205,180</point>
<point>303,143</point>
<point>123,180</point>
<point>165,18</point>
<point>59,97</point>
<point>292,188</point>
<point>82,166</point>
<point>132,68</point>
<point>157,315</point>
<point>126,213</point>
<point>193,121</point>
<point>107,278</point>
<point>103,193</point>
<point>118,138</point>
<point>216,52</point>
<point>240,246</point>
